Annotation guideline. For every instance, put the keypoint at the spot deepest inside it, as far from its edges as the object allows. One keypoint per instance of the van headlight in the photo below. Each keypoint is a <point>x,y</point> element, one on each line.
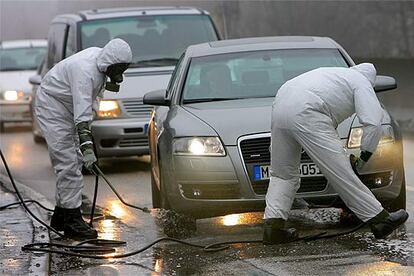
<point>198,146</point>
<point>355,136</point>
<point>108,109</point>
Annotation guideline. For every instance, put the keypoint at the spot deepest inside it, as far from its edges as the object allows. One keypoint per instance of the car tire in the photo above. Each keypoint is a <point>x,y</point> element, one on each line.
<point>400,201</point>
<point>164,203</point>
<point>156,197</point>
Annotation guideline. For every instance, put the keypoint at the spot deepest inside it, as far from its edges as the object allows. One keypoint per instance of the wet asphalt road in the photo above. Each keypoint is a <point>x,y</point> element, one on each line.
<point>355,254</point>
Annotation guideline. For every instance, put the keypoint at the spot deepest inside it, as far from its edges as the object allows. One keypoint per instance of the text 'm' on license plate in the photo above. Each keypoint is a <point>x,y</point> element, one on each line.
<point>306,170</point>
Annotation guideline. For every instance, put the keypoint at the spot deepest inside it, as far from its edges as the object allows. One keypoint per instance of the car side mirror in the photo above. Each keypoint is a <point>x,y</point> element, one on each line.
<point>35,80</point>
<point>384,83</point>
<point>156,97</point>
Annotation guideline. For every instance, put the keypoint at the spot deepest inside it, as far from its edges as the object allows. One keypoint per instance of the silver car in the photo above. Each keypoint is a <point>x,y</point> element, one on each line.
<point>18,61</point>
<point>157,36</point>
<point>210,132</point>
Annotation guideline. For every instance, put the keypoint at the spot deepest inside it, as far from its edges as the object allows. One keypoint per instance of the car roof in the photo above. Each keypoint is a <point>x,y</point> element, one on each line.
<point>23,43</point>
<point>261,43</point>
<point>131,11</point>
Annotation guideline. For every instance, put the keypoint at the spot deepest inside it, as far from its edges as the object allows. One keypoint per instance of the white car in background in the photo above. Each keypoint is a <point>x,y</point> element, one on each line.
<point>19,60</point>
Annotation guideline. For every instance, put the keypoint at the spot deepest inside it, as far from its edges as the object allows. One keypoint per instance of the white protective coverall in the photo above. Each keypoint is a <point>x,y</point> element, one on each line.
<point>64,99</point>
<point>306,111</point>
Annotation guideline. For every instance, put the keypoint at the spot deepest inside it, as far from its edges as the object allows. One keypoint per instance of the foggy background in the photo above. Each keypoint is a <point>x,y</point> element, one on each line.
<point>381,32</point>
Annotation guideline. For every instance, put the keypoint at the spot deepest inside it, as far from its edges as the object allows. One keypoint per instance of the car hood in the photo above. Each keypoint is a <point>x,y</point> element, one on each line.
<point>138,81</point>
<point>236,118</point>
<point>16,80</point>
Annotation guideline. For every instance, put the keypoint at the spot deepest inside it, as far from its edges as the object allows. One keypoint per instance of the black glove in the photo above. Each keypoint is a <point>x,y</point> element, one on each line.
<point>354,163</point>
<point>357,163</point>
<point>86,145</point>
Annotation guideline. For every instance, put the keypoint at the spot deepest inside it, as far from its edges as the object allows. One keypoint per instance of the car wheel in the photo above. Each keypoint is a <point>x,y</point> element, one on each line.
<point>400,201</point>
<point>156,198</point>
<point>163,197</point>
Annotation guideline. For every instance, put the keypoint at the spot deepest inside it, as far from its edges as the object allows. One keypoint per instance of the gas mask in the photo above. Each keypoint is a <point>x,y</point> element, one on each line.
<point>114,72</point>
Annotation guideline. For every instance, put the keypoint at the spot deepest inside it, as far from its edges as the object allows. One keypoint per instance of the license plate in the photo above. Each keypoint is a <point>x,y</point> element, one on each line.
<point>306,170</point>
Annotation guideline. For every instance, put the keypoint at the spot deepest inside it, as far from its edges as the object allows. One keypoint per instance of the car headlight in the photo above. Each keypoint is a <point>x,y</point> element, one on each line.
<point>13,95</point>
<point>355,136</point>
<point>108,109</point>
<point>201,146</point>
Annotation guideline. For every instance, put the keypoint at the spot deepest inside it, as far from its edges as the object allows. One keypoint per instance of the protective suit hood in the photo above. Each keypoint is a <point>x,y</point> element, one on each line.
<point>368,70</point>
<point>115,51</point>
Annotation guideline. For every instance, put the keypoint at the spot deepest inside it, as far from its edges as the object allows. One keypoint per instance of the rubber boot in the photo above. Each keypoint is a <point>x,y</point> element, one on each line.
<point>385,223</point>
<point>58,219</point>
<point>274,232</point>
<point>76,227</point>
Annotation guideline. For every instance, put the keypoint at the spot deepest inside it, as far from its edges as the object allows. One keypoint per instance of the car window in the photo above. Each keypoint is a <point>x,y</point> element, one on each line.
<point>173,80</point>
<point>17,59</point>
<point>70,48</point>
<point>253,74</point>
<point>157,40</point>
<point>56,42</point>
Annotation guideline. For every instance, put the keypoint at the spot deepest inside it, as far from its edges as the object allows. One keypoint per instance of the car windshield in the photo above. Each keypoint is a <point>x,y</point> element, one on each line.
<point>154,40</point>
<point>18,59</point>
<point>252,74</point>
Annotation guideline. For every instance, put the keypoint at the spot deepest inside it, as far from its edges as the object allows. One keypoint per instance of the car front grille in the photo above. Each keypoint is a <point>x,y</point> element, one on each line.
<point>134,142</point>
<point>255,151</point>
<point>135,108</point>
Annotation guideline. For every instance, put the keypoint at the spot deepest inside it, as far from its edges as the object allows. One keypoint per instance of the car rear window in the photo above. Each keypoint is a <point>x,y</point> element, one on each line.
<point>253,74</point>
<point>17,59</point>
<point>157,40</point>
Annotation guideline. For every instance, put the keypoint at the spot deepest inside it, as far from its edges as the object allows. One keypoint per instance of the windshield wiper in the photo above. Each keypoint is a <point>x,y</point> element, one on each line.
<point>155,62</point>
<point>209,100</point>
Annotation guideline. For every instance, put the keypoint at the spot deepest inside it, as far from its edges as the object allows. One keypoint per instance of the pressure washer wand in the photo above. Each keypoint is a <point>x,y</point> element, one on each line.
<point>101,174</point>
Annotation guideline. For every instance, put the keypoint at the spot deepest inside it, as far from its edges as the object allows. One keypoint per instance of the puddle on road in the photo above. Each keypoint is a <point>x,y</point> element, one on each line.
<point>171,258</point>
<point>399,247</point>
<point>173,224</point>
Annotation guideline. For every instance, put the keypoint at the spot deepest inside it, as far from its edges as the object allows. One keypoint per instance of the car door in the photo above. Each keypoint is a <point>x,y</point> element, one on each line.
<point>56,43</point>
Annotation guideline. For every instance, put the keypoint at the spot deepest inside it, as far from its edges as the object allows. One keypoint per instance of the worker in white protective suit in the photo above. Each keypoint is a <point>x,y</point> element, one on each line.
<point>306,111</point>
<point>64,110</point>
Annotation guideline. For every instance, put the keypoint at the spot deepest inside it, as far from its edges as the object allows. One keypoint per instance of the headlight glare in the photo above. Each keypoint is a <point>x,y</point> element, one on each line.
<point>198,146</point>
<point>355,136</point>
<point>108,109</point>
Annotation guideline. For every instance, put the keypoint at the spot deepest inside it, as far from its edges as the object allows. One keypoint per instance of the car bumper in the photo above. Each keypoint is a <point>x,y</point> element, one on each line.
<point>213,186</point>
<point>120,137</point>
<point>15,111</point>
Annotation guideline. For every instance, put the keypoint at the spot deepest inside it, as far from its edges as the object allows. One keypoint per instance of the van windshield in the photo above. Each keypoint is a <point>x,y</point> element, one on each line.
<point>155,40</point>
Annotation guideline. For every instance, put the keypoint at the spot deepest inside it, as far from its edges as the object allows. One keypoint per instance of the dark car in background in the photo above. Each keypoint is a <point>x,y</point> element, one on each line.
<point>157,36</point>
<point>210,132</point>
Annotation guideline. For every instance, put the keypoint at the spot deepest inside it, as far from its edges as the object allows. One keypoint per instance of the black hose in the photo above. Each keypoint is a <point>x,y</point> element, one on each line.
<point>22,200</point>
<point>25,201</point>
<point>95,195</point>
